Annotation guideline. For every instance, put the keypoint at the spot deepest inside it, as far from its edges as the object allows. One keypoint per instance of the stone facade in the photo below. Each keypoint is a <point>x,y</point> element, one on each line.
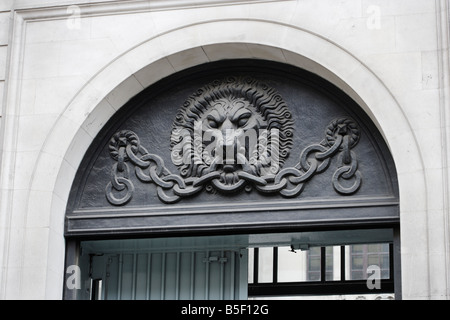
<point>67,66</point>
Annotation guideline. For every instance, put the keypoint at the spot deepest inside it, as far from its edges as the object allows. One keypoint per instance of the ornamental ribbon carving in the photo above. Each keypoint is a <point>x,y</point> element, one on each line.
<point>229,136</point>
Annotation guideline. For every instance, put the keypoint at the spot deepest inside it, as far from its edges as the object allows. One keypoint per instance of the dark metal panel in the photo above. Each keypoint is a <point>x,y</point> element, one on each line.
<point>318,288</point>
<point>334,168</point>
<point>227,221</point>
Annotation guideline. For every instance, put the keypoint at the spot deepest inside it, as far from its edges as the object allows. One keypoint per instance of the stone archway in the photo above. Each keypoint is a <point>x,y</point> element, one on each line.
<point>96,103</point>
<point>172,159</point>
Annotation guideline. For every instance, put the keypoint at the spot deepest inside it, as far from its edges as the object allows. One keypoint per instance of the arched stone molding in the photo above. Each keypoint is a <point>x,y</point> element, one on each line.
<point>165,54</point>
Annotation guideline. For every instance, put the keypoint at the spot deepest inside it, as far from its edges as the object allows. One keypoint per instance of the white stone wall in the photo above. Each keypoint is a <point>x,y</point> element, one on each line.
<point>69,65</point>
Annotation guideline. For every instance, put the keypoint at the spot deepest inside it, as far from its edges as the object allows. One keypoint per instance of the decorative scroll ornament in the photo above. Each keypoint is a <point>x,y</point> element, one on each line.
<point>232,135</point>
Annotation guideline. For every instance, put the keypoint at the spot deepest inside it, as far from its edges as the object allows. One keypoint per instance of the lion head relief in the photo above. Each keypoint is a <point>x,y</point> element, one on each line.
<point>231,134</point>
<point>229,127</point>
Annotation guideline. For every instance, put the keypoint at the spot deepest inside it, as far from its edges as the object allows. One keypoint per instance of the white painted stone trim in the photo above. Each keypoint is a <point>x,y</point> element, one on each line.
<point>44,10</point>
<point>442,263</point>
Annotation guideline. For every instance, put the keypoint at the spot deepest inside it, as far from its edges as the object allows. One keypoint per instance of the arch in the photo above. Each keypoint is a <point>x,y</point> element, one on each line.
<point>163,55</point>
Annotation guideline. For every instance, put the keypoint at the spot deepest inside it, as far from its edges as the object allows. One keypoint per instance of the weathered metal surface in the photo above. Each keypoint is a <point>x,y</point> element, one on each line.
<point>173,158</point>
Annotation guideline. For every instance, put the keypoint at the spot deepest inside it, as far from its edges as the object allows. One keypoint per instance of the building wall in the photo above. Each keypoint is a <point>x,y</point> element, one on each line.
<point>67,66</point>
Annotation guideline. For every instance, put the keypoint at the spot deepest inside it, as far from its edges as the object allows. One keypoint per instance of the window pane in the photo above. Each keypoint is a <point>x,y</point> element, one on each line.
<point>358,248</point>
<point>358,275</point>
<point>291,265</point>
<point>250,264</point>
<point>265,267</point>
<point>385,262</point>
<point>385,274</point>
<point>360,257</point>
<point>357,262</point>
<point>329,263</point>
<point>384,247</point>
<point>314,264</point>
<point>374,259</point>
<point>333,263</point>
<point>314,276</point>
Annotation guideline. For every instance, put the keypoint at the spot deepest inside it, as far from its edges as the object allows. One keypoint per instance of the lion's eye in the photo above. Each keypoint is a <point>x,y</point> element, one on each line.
<point>243,121</point>
<point>213,124</point>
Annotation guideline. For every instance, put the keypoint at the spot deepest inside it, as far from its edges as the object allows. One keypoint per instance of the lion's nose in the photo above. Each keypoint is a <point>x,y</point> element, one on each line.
<point>227,125</point>
<point>229,137</point>
<point>228,133</point>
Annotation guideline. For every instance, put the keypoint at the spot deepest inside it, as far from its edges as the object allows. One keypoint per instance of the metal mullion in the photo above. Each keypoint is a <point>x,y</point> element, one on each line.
<point>342,263</point>
<point>255,265</point>
<point>391,261</point>
<point>322,264</point>
<point>317,288</point>
<point>275,265</point>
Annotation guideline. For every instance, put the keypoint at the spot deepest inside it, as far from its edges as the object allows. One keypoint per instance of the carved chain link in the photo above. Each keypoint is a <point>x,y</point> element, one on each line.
<point>341,136</point>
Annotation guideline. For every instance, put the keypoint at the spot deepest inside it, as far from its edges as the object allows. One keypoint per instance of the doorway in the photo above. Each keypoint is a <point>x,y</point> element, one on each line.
<point>203,173</point>
<point>337,264</point>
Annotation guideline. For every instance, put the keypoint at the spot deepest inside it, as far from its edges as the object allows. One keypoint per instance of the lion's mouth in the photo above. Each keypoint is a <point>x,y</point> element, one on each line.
<point>229,178</point>
<point>229,173</point>
<point>229,168</point>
